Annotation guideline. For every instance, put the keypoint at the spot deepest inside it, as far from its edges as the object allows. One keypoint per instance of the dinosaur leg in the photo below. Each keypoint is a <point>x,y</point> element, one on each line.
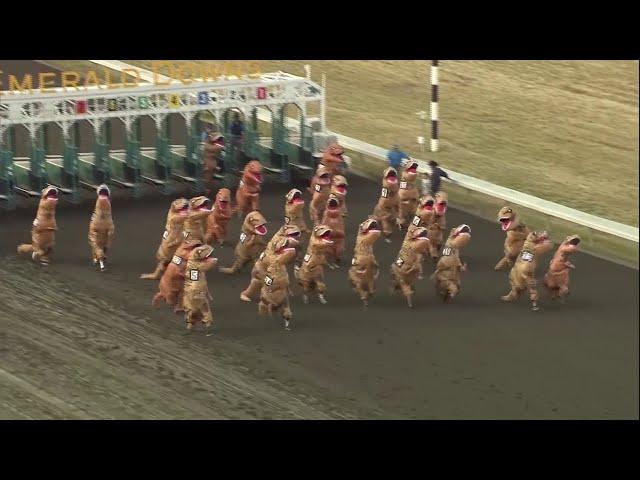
<point>321,288</point>
<point>533,293</point>
<point>238,263</point>
<point>407,291</point>
<point>287,314</point>
<point>252,291</point>
<point>179,304</point>
<point>157,273</point>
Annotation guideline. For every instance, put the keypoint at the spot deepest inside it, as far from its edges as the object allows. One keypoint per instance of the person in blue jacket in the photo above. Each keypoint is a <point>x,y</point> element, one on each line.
<point>396,156</point>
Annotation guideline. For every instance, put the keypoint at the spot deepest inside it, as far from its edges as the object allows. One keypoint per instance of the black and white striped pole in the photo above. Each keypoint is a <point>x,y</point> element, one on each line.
<point>434,105</point>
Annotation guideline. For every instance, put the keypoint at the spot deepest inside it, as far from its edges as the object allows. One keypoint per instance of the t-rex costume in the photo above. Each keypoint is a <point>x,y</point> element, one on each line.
<point>557,277</point>
<point>320,190</point>
<point>333,159</point>
<point>386,210</point>
<point>251,242</point>
<point>294,214</point>
<point>211,151</point>
<point>438,225</point>
<point>196,290</point>
<point>218,220</point>
<point>171,238</point>
<point>171,286</point>
<point>364,269</point>
<point>101,228</point>
<point>406,268</point>
<point>195,225</point>
<point>43,231</point>
<point>449,266</point>
<point>334,219</point>
<point>408,194</point>
<point>423,217</point>
<point>310,275</point>
<point>274,294</point>
<point>248,193</point>
<point>339,187</point>
<point>291,232</point>
<point>523,273</point>
<point>516,234</point>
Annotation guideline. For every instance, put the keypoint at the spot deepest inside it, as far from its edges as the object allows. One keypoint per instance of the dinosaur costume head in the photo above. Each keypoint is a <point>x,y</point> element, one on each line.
<point>285,250</point>
<point>216,139</point>
<point>323,175</point>
<point>201,258</point>
<point>290,231</point>
<point>333,206</point>
<point>49,198</point>
<point>199,207</point>
<point>537,243</point>
<point>179,207</point>
<point>339,185</point>
<point>186,247</point>
<point>570,244</point>
<point>294,201</point>
<point>418,239</point>
<point>442,202</point>
<point>410,172</point>
<point>369,231</point>
<point>252,173</point>
<point>255,224</point>
<point>459,236</point>
<point>390,178</point>
<point>104,197</point>
<point>321,238</point>
<point>508,218</point>
<point>333,156</point>
<point>223,201</point>
<point>426,204</point>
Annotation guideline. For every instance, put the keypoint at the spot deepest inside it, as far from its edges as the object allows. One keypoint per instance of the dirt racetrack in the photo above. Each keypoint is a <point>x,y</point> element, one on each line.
<point>75,343</point>
<point>80,344</point>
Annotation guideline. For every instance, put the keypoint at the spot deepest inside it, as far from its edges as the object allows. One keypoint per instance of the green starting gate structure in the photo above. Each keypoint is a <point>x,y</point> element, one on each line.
<point>286,152</point>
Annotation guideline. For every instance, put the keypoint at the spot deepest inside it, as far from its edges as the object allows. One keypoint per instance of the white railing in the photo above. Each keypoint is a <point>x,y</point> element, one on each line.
<point>475,184</point>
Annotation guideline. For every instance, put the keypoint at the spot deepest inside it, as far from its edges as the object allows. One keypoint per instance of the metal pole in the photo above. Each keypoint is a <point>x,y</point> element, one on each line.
<point>434,106</point>
<point>323,120</point>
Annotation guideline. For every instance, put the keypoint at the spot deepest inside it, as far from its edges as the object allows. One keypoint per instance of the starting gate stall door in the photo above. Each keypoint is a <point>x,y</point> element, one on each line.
<point>7,201</point>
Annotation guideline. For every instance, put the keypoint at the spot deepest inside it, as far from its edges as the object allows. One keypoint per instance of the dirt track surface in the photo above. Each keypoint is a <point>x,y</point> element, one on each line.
<point>79,344</point>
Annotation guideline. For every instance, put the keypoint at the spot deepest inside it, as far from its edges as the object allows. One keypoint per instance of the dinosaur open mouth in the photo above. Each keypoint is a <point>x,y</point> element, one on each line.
<point>463,229</point>
<point>441,207</point>
<point>184,210</point>
<point>326,237</point>
<point>574,241</point>
<point>219,141</point>
<point>333,204</point>
<point>261,229</point>
<point>224,203</point>
<point>204,206</point>
<point>296,198</point>
<point>294,235</point>
<point>324,179</point>
<point>373,227</point>
<point>423,235</point>
<point>103,192</point>
<point>341,189</point>
<point>428,206</point>
<point>257,177</point>
<point>52,194</point>
<point>413,168</point>
<point>392,176</point>
<point>506,223</point>
<point>542,237</point>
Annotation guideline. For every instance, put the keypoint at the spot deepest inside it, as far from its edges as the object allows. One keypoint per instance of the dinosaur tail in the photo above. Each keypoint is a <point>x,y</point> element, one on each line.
<point>25,248</point>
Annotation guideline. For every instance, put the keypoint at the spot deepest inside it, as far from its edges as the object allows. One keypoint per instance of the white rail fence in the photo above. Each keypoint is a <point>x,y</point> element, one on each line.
<point>604,225</point>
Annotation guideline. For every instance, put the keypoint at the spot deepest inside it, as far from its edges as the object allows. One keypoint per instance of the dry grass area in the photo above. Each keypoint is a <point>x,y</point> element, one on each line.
<point>566,131</point>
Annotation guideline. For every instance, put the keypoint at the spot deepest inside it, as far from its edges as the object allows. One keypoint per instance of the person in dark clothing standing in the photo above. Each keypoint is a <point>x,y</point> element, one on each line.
<point>433,185</point>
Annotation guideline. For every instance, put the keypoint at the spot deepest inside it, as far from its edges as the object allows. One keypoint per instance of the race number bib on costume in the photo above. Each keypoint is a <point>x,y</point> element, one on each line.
<point>527,256</point>
<point>399,262</point>
<point>165,235</point>
<point>385,193</point>
<point>318,188</point>
<point>416,221</point>
<point>177,260</point>
<point>194,275</point>
<point>185,234</point>
<point>353,261</point>
<point>243,237</point>
<point>403,185</point>
<point>241,183</point>
<point>268,281</point>
<point>307,257</point>
<point>446,251</point>
<point>286,220</point>
<point>36,222</point>
<point>262,255</point>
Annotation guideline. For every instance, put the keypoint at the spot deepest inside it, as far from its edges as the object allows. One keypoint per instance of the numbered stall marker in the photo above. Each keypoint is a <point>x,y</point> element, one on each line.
<point>203,98</point>
<point>174,101</point>
<point>112,105</point>
<point>143,102</point>
<point>81,106</point>
<point>261,93</point>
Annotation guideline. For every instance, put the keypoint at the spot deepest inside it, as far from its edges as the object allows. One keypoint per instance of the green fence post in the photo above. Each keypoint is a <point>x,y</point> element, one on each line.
<point>7,200</point>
